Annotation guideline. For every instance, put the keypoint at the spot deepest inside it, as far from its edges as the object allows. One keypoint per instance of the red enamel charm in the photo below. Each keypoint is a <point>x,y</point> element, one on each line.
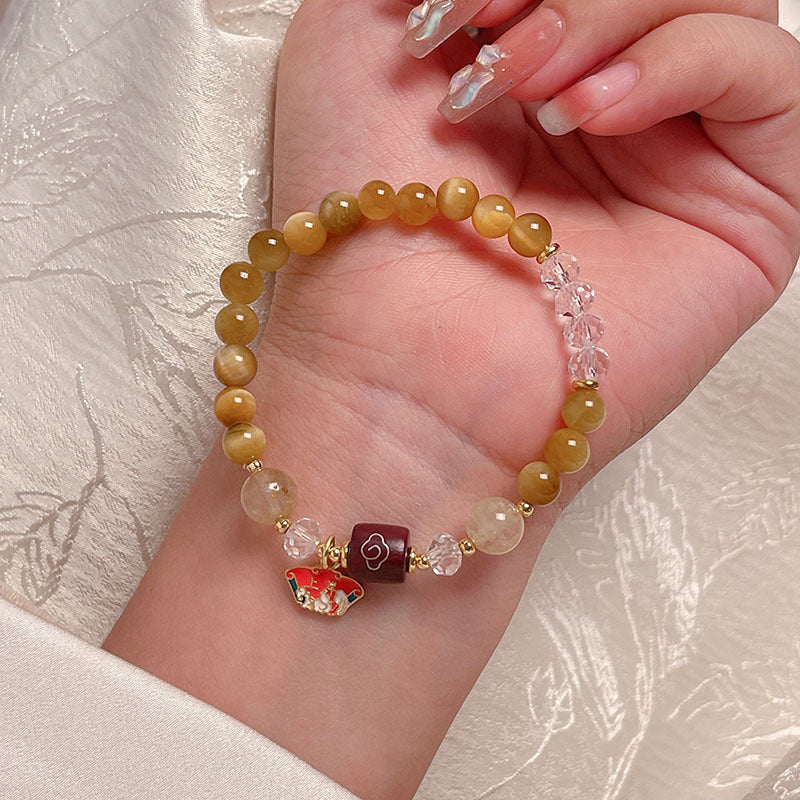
<point>325,591</point>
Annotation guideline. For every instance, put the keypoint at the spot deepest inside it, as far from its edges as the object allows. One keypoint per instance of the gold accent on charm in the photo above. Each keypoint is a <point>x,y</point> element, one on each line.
<point>547,252</point>
<point>344,553</point>
<point>422,561</point>
<point>330,554</point>
<point>585,384</point>
<point>282,524</point>
<point>524,508</point>
<point>467,547</point>
<point>254,466</point>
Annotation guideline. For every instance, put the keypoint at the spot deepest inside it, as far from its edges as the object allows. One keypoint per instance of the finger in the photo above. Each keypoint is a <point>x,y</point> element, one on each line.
<point>553,47</point>
<point>433,21</point>
<point>741,75</point>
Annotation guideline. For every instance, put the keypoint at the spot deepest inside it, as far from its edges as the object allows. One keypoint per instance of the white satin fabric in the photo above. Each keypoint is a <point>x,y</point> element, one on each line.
<point>86,725</point>
<point>653,655</point>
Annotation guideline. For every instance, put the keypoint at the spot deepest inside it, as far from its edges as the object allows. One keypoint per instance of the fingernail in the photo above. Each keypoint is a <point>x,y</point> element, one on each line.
<point>515,56</point>
<point>587,98</point>
<point>433,21</point>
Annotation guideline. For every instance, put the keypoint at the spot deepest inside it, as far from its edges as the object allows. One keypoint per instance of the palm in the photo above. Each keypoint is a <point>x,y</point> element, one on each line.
<point>438,335</point>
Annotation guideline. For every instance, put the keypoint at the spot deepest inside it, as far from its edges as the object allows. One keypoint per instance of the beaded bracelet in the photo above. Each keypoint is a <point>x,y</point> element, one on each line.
<point>379,551</point>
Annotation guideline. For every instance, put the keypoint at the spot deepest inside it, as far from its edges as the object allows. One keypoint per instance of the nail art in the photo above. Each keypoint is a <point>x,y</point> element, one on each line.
<point>433,21</point>
<point>498,67</point>
<point>587,98</point>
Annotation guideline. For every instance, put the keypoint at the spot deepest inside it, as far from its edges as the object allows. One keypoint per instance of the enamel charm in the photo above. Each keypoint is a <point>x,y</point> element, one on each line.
<point>325,591</point>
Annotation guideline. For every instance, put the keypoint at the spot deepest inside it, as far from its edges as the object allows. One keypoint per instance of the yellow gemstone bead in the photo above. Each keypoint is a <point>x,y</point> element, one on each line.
<point>243,442</point>
<point>376,200</point>
<point>241,282</point>
<point>339,213</point>
<point>493,215</point>
<point>304,233</point>
<point>416,204</point>
<point>235,365</point>
<point>236,323</point>
<point>234,404</point>
<point>567,450</point>
<point>495,525</point>
<point>529,234</point>
<point>538,483</point>
<point>583,410</point>
<point>456,198</point>
<point>268,250</point>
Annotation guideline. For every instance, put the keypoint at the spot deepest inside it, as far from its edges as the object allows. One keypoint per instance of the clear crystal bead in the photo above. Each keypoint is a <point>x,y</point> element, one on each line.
<point>588,363</point>
<point>444,554</point>
<point>583,330</point>
<point>559,269</point>
<point>417,15</point>
<point>574,299</point>
<point>301,539</point>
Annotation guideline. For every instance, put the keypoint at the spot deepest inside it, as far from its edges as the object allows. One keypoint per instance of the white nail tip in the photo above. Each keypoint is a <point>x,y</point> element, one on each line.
<point>553,121</point>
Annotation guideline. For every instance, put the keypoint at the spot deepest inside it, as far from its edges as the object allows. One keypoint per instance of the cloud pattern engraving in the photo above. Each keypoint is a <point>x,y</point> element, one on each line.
<point>375,551</point>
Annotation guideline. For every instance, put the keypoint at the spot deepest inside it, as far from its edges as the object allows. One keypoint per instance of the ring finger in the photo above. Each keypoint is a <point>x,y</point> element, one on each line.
<point>559,42</point>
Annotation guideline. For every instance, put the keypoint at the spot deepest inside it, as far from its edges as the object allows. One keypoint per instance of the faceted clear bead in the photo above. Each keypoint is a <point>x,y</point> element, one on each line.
<point>559,269</point>
<point>583,330</point>
<point>575,298</point>
<point>588,363</point>
<point>301,539</point>
<point>444,554</point>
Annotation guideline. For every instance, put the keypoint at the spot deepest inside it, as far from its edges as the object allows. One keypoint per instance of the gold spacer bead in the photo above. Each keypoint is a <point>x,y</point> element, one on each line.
<point>282,524</point>
<point>586,384</point>
<point>468,547</point>
<point>547,252</point>
<point>524,508</point>
<point>411,559</point>
<point>422,561</point>
<point>254,466</point>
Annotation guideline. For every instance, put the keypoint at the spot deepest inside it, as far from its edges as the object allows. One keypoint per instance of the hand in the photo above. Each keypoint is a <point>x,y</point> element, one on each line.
<point>406,373</point>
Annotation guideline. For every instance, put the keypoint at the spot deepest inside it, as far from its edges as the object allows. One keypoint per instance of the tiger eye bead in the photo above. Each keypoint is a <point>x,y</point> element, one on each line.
<point>493,216</point>
<point>583,410</point>
<point>339,213</point>
<point>236,323</point>
<point>235,365</point>
<point>456,198</point>
<point>243,442</point>
<point>538,483</point>
<point>376,200</point>
<point>241,282</point>
<point>234,404</point>
<point>268,250</point>
<point>304,233</point>
<point>416,204</point>
<point>529,234</point>
<point>567,450</point>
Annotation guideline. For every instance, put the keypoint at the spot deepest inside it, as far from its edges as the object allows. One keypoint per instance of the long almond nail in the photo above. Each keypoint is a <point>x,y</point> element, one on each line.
<point>515,56</point>
<point>587,98</point>
<point>433,21</point>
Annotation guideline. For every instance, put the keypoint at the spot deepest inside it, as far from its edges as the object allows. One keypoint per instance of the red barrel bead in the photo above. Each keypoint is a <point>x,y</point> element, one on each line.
<point>377,552</point>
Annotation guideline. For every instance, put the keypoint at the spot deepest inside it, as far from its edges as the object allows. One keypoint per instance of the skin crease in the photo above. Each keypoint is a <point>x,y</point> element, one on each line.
<point>406,373</point>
